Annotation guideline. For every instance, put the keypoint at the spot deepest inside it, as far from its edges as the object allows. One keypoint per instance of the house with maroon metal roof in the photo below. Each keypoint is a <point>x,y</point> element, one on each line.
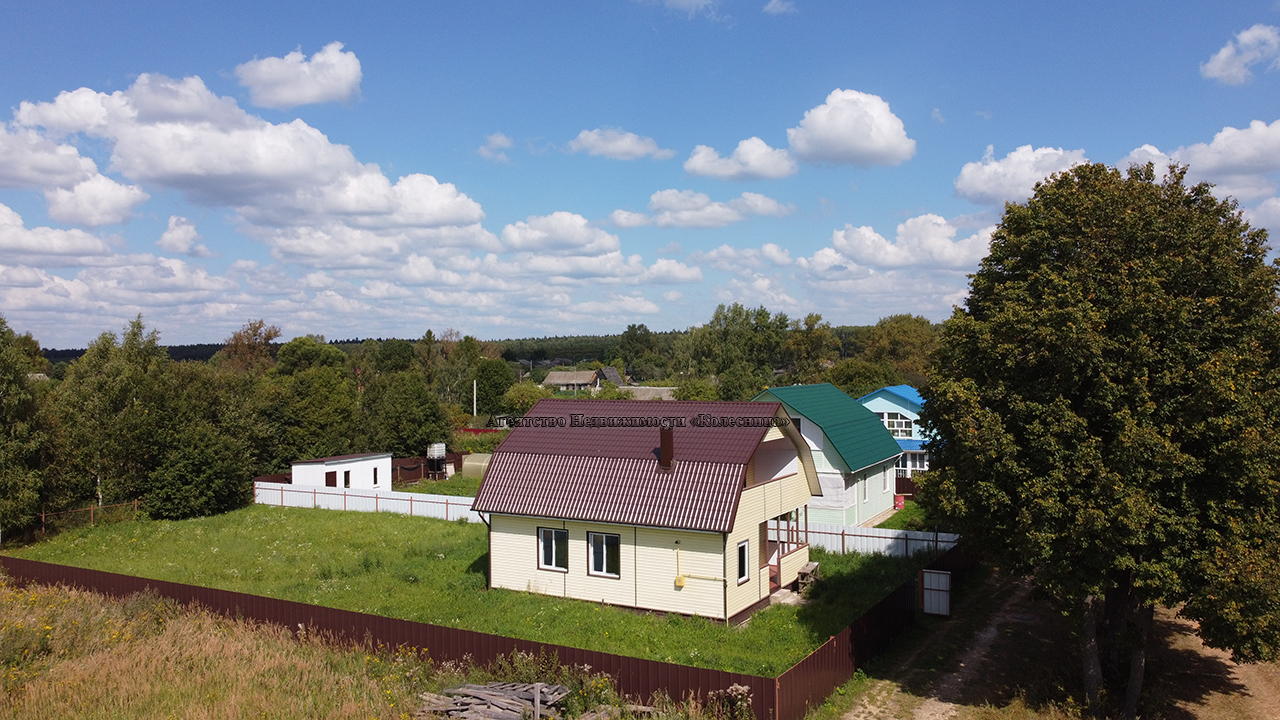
<point>365,471</point>
<point>687,507</point>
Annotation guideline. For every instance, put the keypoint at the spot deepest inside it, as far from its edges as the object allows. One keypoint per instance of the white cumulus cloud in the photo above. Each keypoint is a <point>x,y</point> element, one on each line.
<point>44,243</point>
<point>1012,178</point>
<point>744,260</point>
<point>1231,65</point>
<point>331,75</point>
<point>309,199</point>
<point>1237,160</point>
<point>181,237</point>
<point>686,208</point>
<point>617,144</point>
<point>923,241</point>
<point>753,158</point>
<point>559,232</point>
<point>852,128</point>
<point>93,202</point>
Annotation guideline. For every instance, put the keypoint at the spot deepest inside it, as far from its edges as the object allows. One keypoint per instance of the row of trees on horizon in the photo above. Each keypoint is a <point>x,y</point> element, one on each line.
<point>125,420</point>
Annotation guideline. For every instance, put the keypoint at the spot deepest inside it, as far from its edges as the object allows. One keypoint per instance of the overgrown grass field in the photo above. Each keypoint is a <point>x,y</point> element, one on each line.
<point>434,571</point>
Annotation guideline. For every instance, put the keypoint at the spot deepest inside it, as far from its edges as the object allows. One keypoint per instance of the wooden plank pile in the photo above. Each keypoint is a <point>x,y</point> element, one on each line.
<point>495,701</point>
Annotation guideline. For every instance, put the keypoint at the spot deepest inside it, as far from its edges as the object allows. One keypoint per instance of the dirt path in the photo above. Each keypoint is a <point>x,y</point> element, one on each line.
<point>1021,662</point>
<point>944,699</point>
<point>888,699</point>
<point>1202,683</point>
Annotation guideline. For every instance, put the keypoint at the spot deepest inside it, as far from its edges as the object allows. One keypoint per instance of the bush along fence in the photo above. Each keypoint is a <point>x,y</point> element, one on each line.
<point>836,538</point>
<point>786,697</point>
<point>65,519</point>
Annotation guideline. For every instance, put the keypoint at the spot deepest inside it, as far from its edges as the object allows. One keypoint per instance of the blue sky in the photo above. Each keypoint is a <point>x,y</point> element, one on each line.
<point>517,169</point>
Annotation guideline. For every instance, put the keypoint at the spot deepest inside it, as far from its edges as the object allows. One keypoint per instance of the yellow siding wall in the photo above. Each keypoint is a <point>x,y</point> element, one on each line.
<point>514,565</point>
<point>700,554</point>
<point>513,556</point>
<point>579,583</point>
<point>746,526</point>
<point>790,565</point>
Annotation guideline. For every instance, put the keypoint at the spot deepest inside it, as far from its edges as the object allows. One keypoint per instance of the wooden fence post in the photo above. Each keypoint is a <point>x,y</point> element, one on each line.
<point>90,516</point>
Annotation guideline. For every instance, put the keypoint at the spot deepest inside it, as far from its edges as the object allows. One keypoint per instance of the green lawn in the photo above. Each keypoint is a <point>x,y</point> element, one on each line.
<point>456,485</point>
<point>910,517</point>
<point>434,571</point>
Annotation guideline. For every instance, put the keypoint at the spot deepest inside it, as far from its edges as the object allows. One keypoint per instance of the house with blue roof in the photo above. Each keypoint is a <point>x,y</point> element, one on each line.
<point>854,454</point>
<point>898,407</point>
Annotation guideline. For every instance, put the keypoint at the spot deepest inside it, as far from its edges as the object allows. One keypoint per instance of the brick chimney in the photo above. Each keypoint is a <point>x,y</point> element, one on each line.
<point>666,447</point>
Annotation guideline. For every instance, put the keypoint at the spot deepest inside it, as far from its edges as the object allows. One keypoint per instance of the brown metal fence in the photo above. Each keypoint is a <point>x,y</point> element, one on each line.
<point>787,697</point>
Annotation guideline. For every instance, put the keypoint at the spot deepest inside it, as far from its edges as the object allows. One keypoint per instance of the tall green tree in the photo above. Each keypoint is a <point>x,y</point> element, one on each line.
<point>308,351</point>
<point>399,414</point>
<point>112,414</point>
<point>520,398</point>
<point>857,377</point>
<point>20,438</point>
<point>808,345</point>
<point>493,378</point>
<point>249,348</point>
<point>736,334</point>
<point>903,341</point>
<point>1106,408</point>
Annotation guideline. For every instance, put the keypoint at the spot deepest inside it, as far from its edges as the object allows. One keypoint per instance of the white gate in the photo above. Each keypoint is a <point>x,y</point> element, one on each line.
<point>935,589</point>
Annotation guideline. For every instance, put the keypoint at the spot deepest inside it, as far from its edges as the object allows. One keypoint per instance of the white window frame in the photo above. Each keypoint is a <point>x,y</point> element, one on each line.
<point>744,561</point>
<point>899,425</point>
<point>553,533</point>
<point>884,476</point>
<point>604,543</point>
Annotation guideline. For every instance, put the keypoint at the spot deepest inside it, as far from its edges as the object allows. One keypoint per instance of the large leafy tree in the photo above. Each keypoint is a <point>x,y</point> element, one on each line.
<point>249,348</point>
<point>904,342</point>
<point>20,479</point>
<point>493,378</point>
<point>1106,408</point>
<point>112,415</point>
<point>399,414</point>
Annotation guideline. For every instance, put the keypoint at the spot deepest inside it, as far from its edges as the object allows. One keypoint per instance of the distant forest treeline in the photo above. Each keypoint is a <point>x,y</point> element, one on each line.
<point>187,427</point>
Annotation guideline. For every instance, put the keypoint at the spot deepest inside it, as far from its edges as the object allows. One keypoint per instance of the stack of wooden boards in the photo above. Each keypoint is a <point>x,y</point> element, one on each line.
<point>496,701</point>
<point>512,701</point>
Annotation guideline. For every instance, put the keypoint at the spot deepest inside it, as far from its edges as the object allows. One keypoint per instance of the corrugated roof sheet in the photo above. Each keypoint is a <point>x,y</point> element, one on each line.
<point>610,373</point>
<point>906,392</point>
<point>570,377</point>
<point>601,465</point>
<point>856,433</point>
<point>911,445</point>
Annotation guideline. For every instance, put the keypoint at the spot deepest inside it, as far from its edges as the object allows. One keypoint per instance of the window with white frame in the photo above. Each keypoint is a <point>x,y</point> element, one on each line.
<point>744,567</point>
<point>604,554</point>
<point>899,425</point>
<point>553,549</point>
<point>884,477</point>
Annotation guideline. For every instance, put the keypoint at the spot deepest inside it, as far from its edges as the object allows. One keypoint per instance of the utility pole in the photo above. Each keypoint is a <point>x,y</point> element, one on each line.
<point>473,398</point>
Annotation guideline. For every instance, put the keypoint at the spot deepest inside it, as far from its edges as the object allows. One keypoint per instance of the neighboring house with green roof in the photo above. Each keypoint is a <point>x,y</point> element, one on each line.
<point>853,452</point>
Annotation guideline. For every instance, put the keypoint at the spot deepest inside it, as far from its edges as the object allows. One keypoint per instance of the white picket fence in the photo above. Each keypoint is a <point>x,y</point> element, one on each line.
<point>445,507</point>
<point>835,538</point>
<point>896,543</point>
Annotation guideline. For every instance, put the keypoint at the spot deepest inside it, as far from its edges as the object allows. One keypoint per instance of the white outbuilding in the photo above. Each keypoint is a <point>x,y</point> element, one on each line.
<point>363,471</point>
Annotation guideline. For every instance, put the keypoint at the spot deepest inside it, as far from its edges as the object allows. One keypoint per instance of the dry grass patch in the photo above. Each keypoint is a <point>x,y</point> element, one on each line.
<point>69,653</point>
